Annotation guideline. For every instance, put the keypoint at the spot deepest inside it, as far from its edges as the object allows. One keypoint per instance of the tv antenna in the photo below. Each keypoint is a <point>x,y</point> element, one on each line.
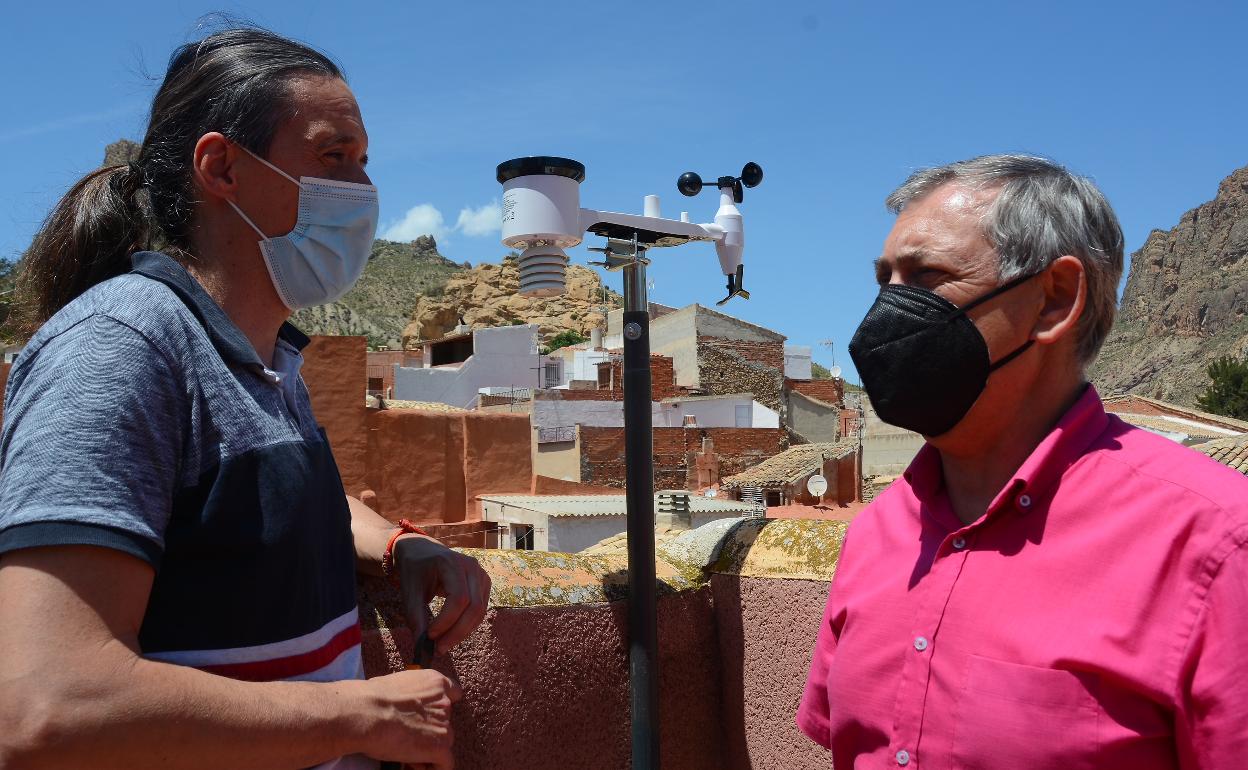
<point>831,346</point>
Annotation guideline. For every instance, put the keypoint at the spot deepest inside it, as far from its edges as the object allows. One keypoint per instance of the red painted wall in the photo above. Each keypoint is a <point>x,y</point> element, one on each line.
<point>333,370</point>
<point>421,465</point>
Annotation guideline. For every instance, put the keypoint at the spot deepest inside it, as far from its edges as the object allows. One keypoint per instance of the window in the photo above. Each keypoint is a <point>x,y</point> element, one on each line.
<point>743,415</point>
<point>374,385</point>
<point>551,372</point>
<point>455,350</point>
<point>522,536</point>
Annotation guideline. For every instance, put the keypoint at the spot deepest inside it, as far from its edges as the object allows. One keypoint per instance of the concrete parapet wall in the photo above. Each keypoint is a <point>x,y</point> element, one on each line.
<point>546,674</point>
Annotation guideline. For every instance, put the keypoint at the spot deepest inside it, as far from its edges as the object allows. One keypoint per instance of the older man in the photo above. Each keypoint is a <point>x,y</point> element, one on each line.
<point>1046,586</point>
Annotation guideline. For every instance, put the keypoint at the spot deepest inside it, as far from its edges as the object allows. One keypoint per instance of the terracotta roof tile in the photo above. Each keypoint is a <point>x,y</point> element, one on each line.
<point>1113,400</point>
<point>1231,452</point>
<point>1171,425</point>
<point>790,465</point>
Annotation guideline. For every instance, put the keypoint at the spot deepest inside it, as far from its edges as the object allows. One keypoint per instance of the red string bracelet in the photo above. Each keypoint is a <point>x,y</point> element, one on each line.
<point>387,557</point>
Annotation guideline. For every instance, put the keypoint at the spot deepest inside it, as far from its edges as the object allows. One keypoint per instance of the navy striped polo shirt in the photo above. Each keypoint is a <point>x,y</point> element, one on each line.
<point>140,418</point>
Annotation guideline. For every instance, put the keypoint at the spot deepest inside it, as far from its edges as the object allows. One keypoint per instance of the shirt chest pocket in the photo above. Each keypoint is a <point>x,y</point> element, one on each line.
<point>1014,716</point>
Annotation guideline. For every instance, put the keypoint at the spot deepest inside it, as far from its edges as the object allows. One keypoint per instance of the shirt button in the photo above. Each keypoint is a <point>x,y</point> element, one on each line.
<point>920,643</point>
<point>903,757</point>
<point>1024,501</point>
<point>959,543</point>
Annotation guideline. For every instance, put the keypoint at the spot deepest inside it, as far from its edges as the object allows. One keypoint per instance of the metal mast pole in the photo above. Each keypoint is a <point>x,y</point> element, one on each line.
<point>643,639</point>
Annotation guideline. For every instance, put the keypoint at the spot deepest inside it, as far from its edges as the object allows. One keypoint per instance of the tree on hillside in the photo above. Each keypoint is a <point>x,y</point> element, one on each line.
<point>565,338</point>
<point>819,372</point>
<point>1227,393</point>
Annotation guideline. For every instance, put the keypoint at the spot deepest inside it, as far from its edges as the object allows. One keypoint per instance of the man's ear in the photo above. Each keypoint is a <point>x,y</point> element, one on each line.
<point>213,166</point>
<point>1065,287</point>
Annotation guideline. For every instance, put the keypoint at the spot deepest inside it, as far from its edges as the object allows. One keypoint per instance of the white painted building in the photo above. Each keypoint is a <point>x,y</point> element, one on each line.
<point>797,359</point>
<point>457,367</point>
<point>572,523</point>
<point>585,365</point>
<point>733,411</point>
<point>738,410</point>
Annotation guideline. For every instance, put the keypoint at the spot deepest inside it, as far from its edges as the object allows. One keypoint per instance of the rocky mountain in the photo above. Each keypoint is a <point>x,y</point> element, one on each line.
<point>380,305</point>
<point>487,296</point>
<point>120,151</point>
<point>1185,304</point>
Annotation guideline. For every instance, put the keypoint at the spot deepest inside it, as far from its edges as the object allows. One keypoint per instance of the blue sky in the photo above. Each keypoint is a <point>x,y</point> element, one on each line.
<point>837,101</point>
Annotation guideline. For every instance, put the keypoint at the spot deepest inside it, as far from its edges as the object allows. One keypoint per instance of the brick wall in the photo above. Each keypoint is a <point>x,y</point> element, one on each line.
<point>765,353</point>
<point>381,365</point>
<point>662,378</point>
<point>723,371</point>
<point>602,453</point>
<point>827,391</point>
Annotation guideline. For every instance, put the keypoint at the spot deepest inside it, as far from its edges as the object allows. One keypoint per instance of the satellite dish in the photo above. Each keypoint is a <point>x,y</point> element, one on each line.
<point>816,485</point>
<point>835,372</point>
<point>711,493</point>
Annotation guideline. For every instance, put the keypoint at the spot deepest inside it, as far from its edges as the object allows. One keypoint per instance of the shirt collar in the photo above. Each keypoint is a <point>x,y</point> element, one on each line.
<point>229,341</point>
<point>1036,478</point>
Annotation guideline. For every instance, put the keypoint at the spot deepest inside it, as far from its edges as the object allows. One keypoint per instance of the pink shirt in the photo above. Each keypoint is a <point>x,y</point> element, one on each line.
<point>1095,617</point>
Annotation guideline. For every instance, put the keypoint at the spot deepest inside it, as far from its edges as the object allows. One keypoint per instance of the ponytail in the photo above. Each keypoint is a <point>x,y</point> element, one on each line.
<point>88,238</point>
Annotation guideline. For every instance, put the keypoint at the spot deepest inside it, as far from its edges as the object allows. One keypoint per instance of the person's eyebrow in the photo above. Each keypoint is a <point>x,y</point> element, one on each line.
<point>335,139</point>
<point>908,259</point>
<point>340,140</point>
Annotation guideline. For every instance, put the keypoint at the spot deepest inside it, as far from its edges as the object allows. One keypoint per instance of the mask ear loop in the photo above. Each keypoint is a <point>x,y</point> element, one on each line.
<point>247,219</point>
<point>292,180</point>
<point>1019,281</point>
<point>1021,349</point>
<point>239,211</point>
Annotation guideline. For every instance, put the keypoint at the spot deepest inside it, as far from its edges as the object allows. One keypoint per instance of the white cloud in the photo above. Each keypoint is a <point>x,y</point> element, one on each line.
<point>423,219</point>
<point>426,219</point>
<point>486,220</point>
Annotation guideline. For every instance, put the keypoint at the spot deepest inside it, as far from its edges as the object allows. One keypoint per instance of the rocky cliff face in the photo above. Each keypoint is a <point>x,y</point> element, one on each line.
<point>1186,302</point>
<point>487,296</point>
<point>121,151</point>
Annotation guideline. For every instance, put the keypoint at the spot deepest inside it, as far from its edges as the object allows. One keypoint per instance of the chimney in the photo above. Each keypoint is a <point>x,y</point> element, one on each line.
<point>595,339</point>
<point>673,510</point>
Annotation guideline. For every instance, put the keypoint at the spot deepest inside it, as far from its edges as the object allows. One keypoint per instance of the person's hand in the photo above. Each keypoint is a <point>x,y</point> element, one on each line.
<point>412,721</point>
<point>426,569</point>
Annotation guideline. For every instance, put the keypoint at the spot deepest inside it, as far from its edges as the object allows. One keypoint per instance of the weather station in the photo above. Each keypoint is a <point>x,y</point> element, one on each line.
<point>542,216</point>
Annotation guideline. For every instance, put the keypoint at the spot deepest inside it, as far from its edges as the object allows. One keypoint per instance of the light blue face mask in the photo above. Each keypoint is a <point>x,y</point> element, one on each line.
<point>322,258</point>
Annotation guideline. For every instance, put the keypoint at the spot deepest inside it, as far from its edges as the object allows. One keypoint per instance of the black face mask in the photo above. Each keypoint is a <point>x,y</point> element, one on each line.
<point>922,361</point>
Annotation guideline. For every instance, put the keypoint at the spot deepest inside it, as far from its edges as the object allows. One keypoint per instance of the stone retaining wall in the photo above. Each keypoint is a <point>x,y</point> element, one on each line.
<point>546,675</point>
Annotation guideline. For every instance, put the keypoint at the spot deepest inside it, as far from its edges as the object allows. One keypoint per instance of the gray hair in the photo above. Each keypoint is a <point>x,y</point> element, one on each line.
<point>1041,212</point>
